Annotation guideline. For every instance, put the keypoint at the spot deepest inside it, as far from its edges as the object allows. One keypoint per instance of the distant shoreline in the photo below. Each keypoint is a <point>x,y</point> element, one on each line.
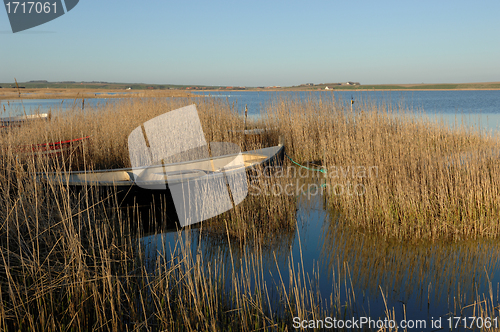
<point>361,89</point>
<point>348,90</point>
<point>118,91</point>
<point>75,93</point>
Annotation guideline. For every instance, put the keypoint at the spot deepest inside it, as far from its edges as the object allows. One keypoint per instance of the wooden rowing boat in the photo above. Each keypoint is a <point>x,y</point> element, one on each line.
<point>128,178</point>
<point>146,186</point>
<point>18,121</point>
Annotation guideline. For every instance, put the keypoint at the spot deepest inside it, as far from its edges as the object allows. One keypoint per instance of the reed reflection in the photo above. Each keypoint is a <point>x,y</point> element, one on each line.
<point>426,273</point>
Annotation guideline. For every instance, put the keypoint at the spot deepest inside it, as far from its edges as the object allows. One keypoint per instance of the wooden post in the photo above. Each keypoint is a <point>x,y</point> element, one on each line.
<point>245,128</point>
<point>246,115</point>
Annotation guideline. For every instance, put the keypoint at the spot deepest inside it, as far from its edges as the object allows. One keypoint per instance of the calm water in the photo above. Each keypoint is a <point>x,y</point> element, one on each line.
<point>479,109</point>
<point>33,106</point>
<point>421,281</point>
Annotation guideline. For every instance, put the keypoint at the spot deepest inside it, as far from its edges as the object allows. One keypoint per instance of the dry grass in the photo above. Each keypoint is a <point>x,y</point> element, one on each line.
<point>74,263</point>
<point>396,175</point>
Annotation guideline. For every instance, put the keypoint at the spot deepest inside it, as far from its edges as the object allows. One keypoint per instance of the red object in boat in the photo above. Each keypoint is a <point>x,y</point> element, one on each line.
<point>52,149</point>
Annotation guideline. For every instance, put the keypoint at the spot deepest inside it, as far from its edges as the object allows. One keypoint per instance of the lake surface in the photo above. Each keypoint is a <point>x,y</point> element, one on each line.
<point>33,106</point>
<point>439,101</point>
<point>417,281</point>
<point>477,108</point>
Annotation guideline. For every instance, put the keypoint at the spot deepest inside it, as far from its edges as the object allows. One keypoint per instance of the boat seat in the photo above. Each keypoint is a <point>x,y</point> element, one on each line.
<point>120,176</point>
<point>157,174</point>
<point>103,177</point>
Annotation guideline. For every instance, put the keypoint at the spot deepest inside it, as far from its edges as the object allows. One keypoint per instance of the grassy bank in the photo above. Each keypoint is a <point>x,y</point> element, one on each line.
<point>79,94</point>
<point>73,262</point>
<point>77,87</point>
<point>410,87</point>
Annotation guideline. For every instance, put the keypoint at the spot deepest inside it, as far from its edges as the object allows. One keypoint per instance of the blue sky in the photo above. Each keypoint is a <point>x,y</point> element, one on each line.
<point>256,43</point>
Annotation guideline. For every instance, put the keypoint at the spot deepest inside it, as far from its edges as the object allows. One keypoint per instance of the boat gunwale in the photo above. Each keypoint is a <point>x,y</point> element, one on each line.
<point>24,118</point>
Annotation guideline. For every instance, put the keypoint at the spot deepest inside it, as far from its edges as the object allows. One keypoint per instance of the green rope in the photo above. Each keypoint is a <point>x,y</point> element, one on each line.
<point>322,170</point>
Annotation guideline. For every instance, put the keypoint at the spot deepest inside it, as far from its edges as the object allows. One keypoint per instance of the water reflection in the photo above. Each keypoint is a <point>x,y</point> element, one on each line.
<point>419,281</point>
<point>426,275</point>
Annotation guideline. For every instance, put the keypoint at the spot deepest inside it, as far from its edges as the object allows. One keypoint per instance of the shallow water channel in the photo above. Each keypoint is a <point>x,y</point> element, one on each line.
<point>364,274</point>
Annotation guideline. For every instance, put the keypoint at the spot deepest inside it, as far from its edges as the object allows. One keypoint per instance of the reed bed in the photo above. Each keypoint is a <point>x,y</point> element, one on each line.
<point>74,262</point>
<point>71,261</point>
<point>392,172</point>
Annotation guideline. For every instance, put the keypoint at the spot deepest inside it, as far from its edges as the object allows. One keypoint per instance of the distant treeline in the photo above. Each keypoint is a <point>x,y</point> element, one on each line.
<point>39,84</point>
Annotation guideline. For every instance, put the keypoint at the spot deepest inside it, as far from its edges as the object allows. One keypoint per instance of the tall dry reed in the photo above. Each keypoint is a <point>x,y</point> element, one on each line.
<point>71,261</point>
<point>74,262</point>
<point>393,172</point>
